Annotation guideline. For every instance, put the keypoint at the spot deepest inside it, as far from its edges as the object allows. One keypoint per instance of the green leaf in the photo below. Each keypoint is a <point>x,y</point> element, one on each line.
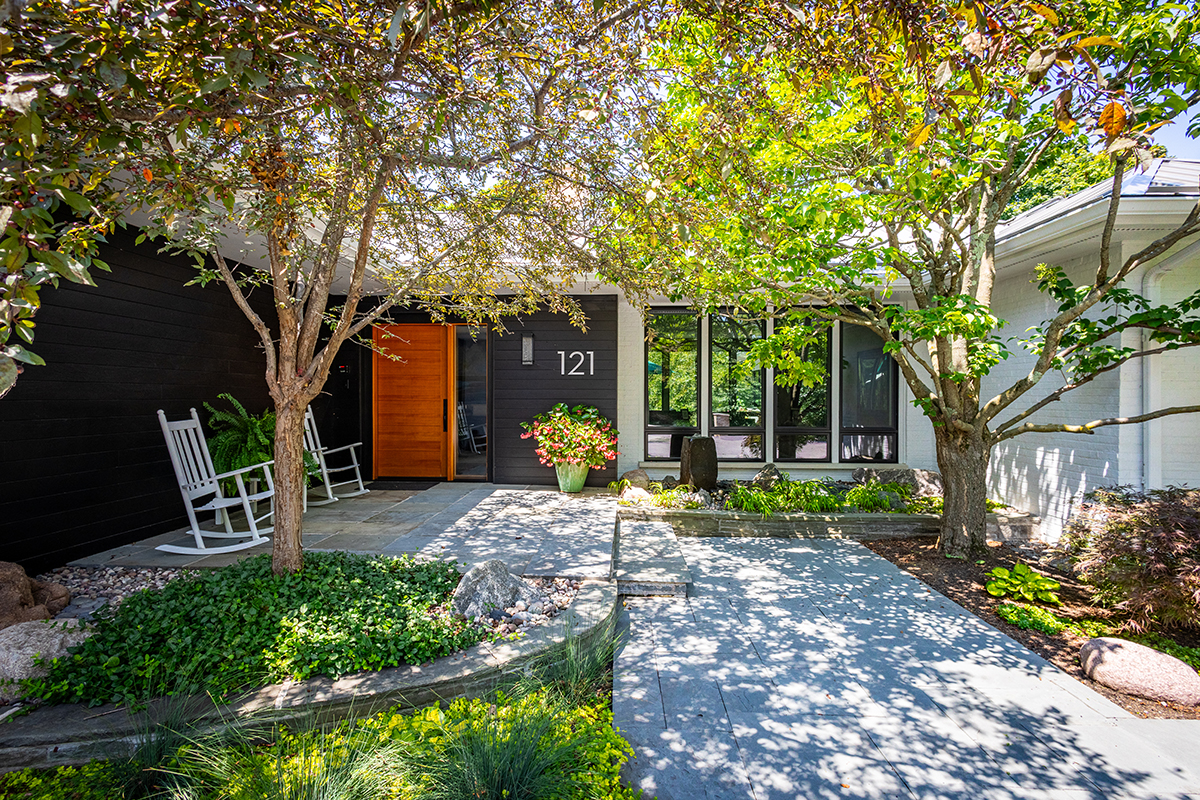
<point>8,374</point>
<point>76,201</point>
<point>18,353</point>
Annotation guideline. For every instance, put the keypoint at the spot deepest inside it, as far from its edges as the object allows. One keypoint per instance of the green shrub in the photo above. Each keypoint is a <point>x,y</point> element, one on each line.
<point>532,748</point>
<point>99,780</point>
<point>1141,553</point>
<point>1022,582</point>
<point>242,625</point>
<point>875,496</point>
<point>1031,618</point>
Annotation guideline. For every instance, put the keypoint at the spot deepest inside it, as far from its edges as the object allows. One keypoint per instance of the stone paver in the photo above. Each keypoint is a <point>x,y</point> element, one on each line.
<point>536,530</point>
<point>815,669</point>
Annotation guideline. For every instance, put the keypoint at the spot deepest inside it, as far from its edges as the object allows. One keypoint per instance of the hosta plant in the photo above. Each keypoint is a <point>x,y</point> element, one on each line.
<point>1023,583</point>
<point>577,435</point>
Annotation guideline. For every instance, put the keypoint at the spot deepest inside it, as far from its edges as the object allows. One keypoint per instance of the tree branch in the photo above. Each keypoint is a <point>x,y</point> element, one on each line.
<point>1090,427</point>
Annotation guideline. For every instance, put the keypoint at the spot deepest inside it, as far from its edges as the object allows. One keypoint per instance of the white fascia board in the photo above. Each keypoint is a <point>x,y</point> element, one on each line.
<point>1141,213</point>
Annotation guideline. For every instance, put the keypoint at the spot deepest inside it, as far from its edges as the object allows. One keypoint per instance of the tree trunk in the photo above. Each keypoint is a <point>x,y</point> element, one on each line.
<point>963,460</point>
<point>287,554</point>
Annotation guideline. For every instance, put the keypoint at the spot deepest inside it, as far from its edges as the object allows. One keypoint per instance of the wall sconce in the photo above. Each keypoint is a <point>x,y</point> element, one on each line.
<point>527,349</point>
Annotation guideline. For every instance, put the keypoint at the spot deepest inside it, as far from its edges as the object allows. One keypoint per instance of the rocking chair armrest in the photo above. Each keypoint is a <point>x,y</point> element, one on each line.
<point>234,472</point>
<point>327,451</point>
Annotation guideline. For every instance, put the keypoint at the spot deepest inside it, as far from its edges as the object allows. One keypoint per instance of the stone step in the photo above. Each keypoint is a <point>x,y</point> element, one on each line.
<point>648,561</point>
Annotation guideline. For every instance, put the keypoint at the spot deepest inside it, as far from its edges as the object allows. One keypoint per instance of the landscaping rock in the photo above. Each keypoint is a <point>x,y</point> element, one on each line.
<point>21,642</point>
<point>698,462</point>
<point>637,478</point>
<point>489,585</point>
<point>766,477</point>
<point>669,482</point>
<point>924,482</point>
<point>1143,671</point>
<point>25,599</point>
<point>634,494</point>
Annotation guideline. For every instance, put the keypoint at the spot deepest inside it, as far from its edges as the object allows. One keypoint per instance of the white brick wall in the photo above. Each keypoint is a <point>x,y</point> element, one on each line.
<point>1046,474</point>
<point>1179,385</point>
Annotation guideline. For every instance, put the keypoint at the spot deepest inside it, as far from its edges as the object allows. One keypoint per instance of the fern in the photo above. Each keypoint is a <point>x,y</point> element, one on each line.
<point>239,438</point>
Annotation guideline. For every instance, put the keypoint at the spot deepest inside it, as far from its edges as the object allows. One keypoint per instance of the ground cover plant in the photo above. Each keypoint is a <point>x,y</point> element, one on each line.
<point>243,626</point>
<point>547,735</point>
<point>820,497</point>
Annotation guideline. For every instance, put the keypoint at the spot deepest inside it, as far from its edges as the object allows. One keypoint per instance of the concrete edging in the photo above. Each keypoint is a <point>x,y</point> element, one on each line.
<point>1007,527</point>
<point>52,736</point>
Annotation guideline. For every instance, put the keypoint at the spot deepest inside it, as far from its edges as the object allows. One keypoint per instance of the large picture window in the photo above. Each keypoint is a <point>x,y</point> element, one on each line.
<point>802,412</point>
<point>672,382</point>
<point>853,419</point>
<point>869,413</point>
<point>737,395</point>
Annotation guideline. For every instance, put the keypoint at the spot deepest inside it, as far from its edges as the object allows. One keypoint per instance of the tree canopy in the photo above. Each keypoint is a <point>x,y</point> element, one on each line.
<point>811,189</point>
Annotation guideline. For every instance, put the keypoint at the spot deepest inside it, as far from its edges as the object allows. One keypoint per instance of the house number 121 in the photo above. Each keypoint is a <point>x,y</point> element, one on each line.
<point>577,357</point>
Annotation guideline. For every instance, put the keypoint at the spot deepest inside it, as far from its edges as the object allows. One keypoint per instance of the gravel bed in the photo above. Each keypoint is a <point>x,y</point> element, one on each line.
<point>557,595</point>
<point>91,585</point>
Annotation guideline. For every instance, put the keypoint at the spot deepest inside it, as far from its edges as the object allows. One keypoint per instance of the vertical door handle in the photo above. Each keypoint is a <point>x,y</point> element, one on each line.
<point>445,412</point>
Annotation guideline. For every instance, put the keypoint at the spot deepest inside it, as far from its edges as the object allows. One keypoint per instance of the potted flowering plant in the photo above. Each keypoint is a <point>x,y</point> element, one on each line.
<point>572,440</point>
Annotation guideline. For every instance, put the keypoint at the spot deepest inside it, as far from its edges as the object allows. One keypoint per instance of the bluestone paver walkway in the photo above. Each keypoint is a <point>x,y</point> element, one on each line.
<point>536,530</point>
<point>816,669</point>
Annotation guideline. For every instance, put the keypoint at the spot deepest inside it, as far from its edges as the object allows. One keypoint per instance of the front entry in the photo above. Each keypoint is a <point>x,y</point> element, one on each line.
<point>429,401</point>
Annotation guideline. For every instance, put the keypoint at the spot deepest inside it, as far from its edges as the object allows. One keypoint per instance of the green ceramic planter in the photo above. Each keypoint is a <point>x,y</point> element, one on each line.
<point>571,476</point>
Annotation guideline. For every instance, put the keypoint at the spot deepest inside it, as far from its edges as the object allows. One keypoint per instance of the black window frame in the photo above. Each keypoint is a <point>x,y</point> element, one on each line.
<point>761,429</point>
<point>843,430</point>
<point>674,431</point>
<point>807,430</point>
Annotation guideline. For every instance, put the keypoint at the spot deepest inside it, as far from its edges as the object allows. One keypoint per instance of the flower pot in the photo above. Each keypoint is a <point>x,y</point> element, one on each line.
<point>571,476</point>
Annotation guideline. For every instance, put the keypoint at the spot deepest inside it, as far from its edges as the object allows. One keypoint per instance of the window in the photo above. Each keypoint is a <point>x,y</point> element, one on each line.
<point>802,412</point>
<point>854,419</point>
<point>737,395</point>
<point>672,382</point>
<point>869,413</point>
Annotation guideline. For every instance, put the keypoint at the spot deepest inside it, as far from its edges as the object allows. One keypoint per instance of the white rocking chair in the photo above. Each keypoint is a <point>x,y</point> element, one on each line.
<point>200,485</point>
<point>312,443</point>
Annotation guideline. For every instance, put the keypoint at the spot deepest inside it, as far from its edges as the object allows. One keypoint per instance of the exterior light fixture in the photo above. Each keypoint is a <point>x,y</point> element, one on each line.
<point>527,349</point>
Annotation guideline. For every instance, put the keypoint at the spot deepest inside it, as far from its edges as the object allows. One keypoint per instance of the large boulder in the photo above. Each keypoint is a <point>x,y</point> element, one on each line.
<point>698,462</point>
<point>21,642</point>
<point>637,477</point>
<point>1136,669</point>
<point>24,599</point>
<point>767,477</point>
<point>487,586</point>
<point>634,494</point>
<point>924,482</point>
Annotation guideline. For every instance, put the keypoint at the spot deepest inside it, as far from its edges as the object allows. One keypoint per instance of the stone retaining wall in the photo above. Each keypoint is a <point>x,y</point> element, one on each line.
<point>74,734</point>
<point>1009,527</point>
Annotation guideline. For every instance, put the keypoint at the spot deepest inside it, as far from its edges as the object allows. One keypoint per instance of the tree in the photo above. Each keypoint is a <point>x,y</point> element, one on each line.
<point>449,156</point>
<point>786,182</point>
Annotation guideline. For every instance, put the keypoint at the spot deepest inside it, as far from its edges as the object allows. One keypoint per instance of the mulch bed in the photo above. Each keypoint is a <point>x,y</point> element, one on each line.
<point>963,582</point>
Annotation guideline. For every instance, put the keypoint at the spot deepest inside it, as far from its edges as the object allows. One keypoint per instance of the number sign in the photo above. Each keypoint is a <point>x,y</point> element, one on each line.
<point>575,360</point>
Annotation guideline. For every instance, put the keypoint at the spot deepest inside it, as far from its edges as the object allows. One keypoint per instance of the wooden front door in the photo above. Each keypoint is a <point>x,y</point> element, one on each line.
<point>411,402</point>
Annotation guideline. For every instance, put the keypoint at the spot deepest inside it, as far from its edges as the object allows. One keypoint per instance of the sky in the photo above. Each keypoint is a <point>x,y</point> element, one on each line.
<point>1174,137</point>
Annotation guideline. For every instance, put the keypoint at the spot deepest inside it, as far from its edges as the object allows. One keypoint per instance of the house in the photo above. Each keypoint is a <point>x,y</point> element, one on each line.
<point>87,469</point>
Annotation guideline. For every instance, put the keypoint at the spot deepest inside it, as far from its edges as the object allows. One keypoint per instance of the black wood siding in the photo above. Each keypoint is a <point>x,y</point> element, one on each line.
<point>518,392</point>
<point>85,465</point>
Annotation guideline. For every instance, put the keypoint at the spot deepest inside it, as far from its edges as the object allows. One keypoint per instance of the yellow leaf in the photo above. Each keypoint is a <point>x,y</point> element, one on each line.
<point>1045,12</point>
<point>919,135</point>
<point>1093,41</point>
<point>231,126</point>
<point>1112,119</point>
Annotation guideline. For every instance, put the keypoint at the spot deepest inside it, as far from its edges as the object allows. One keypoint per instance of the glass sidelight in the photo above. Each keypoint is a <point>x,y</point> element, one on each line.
<point>470,398</point>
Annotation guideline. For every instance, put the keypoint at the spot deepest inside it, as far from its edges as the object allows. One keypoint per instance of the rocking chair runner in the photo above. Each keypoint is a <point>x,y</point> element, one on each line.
<point>198,480</point>
<point>312,443</point>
